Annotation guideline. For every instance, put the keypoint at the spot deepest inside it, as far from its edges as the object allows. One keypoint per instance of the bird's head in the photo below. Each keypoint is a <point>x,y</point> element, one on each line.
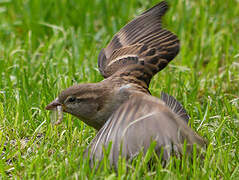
<point>83,101</point>
<point>92,103</point>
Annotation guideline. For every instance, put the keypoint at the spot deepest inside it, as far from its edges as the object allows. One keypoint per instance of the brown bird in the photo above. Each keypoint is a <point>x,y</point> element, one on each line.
<point>120,107</point>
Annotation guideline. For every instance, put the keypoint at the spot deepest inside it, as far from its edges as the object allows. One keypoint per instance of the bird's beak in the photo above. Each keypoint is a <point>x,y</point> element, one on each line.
<point>53,104</point>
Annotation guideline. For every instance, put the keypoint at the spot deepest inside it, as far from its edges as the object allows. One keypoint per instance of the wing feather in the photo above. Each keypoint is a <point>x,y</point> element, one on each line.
<point>138,122</point>
<point>175,106</point>
<point>142,41</point>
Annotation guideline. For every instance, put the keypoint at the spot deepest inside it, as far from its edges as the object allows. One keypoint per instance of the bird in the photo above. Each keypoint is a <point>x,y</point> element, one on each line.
<point>120,107</point>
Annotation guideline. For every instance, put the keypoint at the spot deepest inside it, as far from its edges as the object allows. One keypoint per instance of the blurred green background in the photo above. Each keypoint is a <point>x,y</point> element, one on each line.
<point>48,45</point>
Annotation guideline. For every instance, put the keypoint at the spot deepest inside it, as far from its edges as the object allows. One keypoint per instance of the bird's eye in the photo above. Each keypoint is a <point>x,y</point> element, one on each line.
<point>71,99</point>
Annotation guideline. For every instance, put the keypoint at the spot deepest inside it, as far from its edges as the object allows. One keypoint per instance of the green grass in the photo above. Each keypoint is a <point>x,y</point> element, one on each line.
<point>48,45</point>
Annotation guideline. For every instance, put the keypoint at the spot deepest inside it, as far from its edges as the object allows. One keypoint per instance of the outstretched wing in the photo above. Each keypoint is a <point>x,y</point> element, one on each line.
<point>138,122</point>
<point>141,41</point>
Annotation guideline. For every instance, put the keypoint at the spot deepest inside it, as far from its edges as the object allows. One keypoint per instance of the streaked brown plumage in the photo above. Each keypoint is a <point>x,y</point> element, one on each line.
<point>121,106</point>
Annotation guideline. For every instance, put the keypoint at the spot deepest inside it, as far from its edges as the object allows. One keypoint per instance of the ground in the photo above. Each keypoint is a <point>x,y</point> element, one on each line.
<point>48,45</point>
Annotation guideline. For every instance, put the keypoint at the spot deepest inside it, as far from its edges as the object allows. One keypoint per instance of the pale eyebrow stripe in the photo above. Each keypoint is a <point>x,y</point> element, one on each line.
<point>85,98</point>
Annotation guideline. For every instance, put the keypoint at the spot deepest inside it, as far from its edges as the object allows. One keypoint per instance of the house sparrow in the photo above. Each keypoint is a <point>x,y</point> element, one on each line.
<point>121,107</point>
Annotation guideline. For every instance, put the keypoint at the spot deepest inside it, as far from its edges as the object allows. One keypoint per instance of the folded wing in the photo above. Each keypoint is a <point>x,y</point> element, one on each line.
<point>136,124</point>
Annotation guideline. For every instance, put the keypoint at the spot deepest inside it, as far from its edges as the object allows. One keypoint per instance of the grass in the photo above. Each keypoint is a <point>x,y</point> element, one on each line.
<point>48,45</point>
